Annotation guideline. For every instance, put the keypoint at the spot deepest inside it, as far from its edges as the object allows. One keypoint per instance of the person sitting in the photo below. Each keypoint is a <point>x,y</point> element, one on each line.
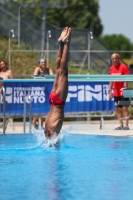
<point>40,70</point>
<point>5,73</point>
<point>58,94</point>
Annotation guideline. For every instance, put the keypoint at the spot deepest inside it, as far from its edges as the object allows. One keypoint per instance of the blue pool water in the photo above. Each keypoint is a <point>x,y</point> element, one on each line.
<point>83,167</point>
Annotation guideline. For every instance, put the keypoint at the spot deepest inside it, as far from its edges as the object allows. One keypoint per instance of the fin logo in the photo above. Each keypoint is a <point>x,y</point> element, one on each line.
<point>8,94</point>
<point>95,92</point>
<point>85,93</point>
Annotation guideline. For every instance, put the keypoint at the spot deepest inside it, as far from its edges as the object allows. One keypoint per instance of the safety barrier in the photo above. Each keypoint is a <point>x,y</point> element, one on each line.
<point>84,96</point>
<point>5,121</point>
<point>28,97</point>
<point>87,93</point>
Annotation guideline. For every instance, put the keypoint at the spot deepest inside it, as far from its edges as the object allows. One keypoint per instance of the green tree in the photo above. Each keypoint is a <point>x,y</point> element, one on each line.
<point>118,42</point>
<point>78,14</point>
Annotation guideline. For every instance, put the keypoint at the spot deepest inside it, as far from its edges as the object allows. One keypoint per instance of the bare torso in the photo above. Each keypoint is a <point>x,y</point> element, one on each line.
<point>6,74</point>
<point>54,120</point>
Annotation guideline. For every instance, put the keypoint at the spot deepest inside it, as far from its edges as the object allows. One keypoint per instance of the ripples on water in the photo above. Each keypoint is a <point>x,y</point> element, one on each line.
<point>83,167</point>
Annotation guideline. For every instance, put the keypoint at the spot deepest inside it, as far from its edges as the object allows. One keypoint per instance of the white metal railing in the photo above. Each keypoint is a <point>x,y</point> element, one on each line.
<point>28,97</point>
<point>2,100</point>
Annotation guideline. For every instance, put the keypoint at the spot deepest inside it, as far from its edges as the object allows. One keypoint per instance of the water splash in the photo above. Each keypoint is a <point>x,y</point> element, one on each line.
<point>55,141</point>
<point>43,141</point>
<point>39,133</point>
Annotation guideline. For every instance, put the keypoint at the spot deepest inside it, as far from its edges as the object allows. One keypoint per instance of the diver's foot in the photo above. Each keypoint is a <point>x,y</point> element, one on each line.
<point>63,34</point>
<point>66,38</point>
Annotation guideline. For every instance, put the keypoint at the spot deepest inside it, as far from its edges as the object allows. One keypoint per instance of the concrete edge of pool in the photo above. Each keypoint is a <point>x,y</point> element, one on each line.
<point>82,127</point>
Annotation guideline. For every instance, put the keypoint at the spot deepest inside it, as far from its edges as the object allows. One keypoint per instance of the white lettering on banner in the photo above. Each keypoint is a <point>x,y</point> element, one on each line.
<point>21,99</point>
<point>28,88</point>
<point>81,93</point>
<point>71,93</point>
<point>41,99</point>
<point>22,94</point>
<point>9,94</point>
<point>93,92</point>
<point>87,93</point>
<point>16,93</point>
<point>17,96</point>
<point>106,92</point>
<point>37,93</point>
<point>16,100</point>
<point>35,98</point>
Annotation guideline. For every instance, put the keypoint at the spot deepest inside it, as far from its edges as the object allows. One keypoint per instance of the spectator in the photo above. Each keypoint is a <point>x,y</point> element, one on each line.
<point>41,69</point>
<point>5,73</point>
<point>119,69</point>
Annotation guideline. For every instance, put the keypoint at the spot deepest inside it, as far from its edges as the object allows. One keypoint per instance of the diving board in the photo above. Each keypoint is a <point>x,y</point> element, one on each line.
<point>75,77</point>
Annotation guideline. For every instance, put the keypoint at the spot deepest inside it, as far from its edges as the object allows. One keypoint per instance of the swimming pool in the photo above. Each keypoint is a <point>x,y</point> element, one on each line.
<point>83,167</point>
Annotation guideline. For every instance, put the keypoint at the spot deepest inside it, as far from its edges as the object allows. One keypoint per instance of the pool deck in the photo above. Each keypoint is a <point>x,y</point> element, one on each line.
<point>84,127</point>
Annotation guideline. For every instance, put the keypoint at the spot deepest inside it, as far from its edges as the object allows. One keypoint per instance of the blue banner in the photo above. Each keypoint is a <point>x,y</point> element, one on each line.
<point>82,97</point>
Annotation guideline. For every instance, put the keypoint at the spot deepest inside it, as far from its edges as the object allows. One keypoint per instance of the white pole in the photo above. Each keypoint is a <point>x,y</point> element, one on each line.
<point>9,45</point>
<point>90,37</point>
<point>43,28</point>
<point>89,53</point>
<point>48,36</point>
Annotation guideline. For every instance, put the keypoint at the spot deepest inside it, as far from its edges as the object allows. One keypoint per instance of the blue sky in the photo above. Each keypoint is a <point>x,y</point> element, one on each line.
<point>117,17</point>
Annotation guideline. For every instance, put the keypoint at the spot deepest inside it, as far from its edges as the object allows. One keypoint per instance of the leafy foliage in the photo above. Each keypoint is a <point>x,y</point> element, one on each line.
<point>118,42</point>
<point>77,14</point>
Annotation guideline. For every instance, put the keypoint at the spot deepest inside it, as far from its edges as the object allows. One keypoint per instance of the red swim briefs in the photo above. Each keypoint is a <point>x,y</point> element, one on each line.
<point>55,100</point>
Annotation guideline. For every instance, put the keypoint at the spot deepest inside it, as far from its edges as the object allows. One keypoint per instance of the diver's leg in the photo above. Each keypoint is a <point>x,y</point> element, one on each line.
<point>59,55</point>
<point>62,82</point>
<point>61,45</point>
